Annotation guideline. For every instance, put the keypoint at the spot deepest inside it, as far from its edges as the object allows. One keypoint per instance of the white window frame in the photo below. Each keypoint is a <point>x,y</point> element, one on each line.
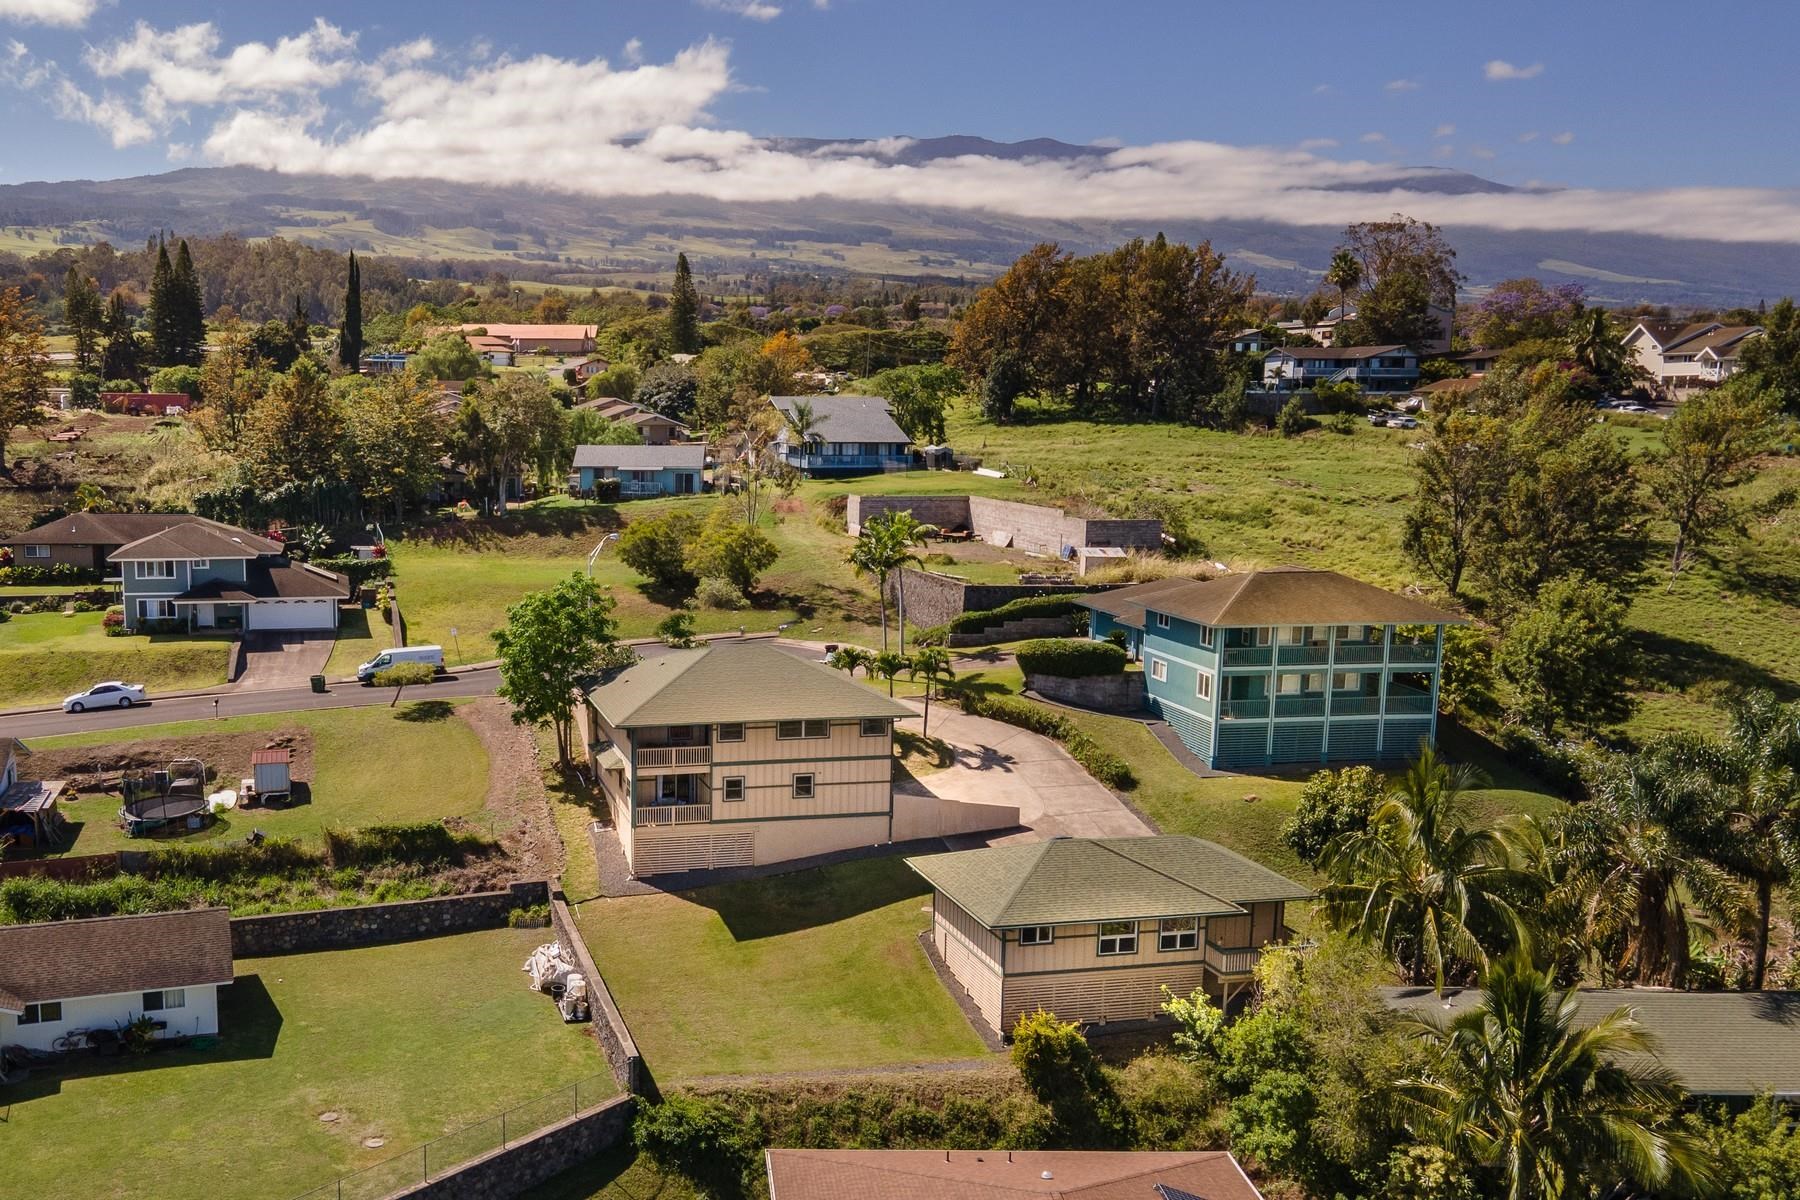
<point>1037,935</point>
<point>1159,670</point>
<point>1203,685</point>
<point>1119,942</point>
<point>152,568</point>
<point>722,736</point>
<point>1206,637</point>
<point>37,552</point>
<point>1177,933</point>
<point>1162,620</point>
<point>166,999</point>
<point>146,602</point>
<point>40,1014</point>
<point>873,727</point>
<point>200,564</point>
<point>808,790</point>
<point>726,789</point>
<point>1346,681</point>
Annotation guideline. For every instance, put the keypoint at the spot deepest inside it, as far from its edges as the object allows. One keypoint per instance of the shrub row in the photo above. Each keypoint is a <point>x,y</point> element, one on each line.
<point>1099,762</point>
<point>423,843</point>
<point>1012,610</point>
<point>1070,658</point>
<point>26,573</point>
<point>358,570</point>
<point>402,674</point>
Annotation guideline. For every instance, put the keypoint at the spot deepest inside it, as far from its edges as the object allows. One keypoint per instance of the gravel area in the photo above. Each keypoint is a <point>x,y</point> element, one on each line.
<point>515,795</point>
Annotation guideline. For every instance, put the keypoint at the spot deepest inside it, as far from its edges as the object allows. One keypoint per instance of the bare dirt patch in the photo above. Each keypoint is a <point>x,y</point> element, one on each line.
<point>90,769</point>
<point>515,797</point>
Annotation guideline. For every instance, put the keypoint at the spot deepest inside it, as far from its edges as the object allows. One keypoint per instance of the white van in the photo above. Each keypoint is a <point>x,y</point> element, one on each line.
<point>430,655</point>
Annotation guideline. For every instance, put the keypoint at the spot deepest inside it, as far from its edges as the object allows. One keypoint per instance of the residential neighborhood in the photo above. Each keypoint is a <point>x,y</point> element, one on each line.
<point>677,663</point>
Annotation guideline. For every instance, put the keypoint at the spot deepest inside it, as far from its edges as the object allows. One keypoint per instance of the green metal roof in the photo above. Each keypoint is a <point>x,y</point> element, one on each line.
<point>1715,1043</point>
<point>1074,881</point>
<point>731,682</point>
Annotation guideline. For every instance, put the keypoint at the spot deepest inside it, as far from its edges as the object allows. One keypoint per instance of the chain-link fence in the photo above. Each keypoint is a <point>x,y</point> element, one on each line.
<point>442,1155</point>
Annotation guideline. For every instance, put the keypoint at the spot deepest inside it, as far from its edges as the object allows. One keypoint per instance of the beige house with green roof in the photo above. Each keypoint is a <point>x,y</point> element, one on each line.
<point>1092,929</point>
<point>740,754</point>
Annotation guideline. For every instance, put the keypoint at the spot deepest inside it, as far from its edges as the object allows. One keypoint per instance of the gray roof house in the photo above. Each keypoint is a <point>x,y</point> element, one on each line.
<point>669,470</point>
<point>203,575</point>
<point>852,435</point>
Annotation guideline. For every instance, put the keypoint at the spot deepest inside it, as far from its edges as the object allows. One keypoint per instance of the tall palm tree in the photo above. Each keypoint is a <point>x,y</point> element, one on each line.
<point>1437,895</point>
<point>884,545</point>
<point>1543,1104</point>
<point>1638,851</point>
<point>933,665</point>
<point>1345,274</point>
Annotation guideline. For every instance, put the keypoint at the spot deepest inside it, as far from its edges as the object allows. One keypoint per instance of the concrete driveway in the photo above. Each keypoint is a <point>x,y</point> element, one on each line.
<point>997,763</point>
<point>275,659</point>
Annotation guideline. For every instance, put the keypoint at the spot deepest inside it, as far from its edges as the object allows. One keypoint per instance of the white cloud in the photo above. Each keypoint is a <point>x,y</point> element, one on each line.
<point>1445,130</point>
<point>1499,70</point>
<point>1320,89</point>
<point>1530,135</point>
<point>1372,137</point>
<point>633,51</point>
<point>1564,138</point>
<point>750,10</point>
<point>1400,85</point>
<point>1319,144</point>
<point>591,128</point>
<point>68,13</point>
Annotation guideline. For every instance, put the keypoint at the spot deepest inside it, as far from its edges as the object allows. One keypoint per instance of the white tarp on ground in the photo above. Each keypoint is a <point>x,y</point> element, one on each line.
<point>548,965</point>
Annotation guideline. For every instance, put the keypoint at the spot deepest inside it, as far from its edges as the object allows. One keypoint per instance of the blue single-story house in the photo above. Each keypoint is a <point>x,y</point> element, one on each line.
<point>1282,666</point>
<point>673,470</point>
<point>851,435</point>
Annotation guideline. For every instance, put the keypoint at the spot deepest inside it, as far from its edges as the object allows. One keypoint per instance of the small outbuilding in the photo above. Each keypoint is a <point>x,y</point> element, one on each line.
<point>269,771</point>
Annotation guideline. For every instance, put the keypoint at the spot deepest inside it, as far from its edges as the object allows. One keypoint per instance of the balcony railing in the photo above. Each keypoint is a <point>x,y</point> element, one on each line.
<point>1359,652</point>
<point>673,814</point>
<point>1245,710</point>
<point>674,756</point>
<point>1247,656</point>
<point>1413,652</point>
<point>1306,656</point>
<point>1407,703</point>
<point>1299,706</point>
<point>1231,961</point>
<point>1354,704</point>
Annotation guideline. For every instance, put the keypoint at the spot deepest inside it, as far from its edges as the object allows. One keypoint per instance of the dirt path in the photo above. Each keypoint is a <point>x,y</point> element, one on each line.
<point>515,794</point>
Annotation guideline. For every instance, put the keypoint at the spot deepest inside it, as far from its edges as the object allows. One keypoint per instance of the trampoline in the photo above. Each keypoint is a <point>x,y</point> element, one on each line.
<point>159,798</point>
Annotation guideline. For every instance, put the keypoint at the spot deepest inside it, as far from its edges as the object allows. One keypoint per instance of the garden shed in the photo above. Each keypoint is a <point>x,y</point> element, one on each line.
<point>270,771</point>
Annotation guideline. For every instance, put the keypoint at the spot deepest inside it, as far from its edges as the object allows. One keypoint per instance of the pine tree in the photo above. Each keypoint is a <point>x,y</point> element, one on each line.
<point>299,328</point>
<point>190,308</point>
<point>83,313</point>
<point>165,333</point>
<point>684,310</point>
<point>123,358</point>
<point>350,333</point>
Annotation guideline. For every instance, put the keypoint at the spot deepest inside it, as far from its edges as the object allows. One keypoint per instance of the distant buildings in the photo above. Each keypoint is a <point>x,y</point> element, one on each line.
<point>1372,368</point>
<point>1682,358</point>
<point>535,339</point>
<point>642,471</point>
<point>851,435</point>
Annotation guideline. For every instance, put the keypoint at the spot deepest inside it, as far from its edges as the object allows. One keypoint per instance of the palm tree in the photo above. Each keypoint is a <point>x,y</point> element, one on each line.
<point>884,545</point>
<point>1636,847</point>
<point>1434,893</point>
<point>849,658</point>
<point>805,422</point>
<point>1543,1106</point>
<point>933,664</point>
<point>888,665</point>
<point>1345,274</point>
<point>1594,346</point>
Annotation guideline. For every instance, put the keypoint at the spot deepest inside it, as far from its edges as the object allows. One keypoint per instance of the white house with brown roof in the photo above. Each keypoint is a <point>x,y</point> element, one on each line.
<point>1682,358</point>
<point>105,972</point>
<point>1006,1175</point>
<point>1093,929</point>
<point>198,575</point>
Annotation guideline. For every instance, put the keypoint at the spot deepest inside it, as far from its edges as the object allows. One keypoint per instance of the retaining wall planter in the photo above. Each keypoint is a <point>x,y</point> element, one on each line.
<point>376,924</point>
<point>1017,630</point>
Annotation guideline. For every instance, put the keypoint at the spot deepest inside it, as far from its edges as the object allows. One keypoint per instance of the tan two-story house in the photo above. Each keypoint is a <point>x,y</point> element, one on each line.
<point>1092,929</point>
<point>740,754</point>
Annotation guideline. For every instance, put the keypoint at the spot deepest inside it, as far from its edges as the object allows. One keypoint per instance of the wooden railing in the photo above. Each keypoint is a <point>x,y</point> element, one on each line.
<point>1413,652</point>
<point>1299,706</point>
<point>1302,655</point>
<point>1408,703</point>
<point>1247,656</point>
<point>674,756</point>
<point>673,814</point>
<point>1359,652</point>
<point>1354,704</point>
<point>1245,710</point>
<point>1231,961</point>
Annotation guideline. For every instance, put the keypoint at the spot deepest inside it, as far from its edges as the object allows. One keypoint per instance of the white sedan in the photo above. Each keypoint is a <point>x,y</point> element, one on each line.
<point>112,694</point>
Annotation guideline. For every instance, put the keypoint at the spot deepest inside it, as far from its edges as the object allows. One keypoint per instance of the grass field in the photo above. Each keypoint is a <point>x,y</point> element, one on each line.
<point>371,766</point>
<point>811,971</point>
<point>360,1033</point>
<point>46,656</point>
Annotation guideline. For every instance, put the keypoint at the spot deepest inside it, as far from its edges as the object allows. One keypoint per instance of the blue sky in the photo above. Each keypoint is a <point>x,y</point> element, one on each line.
<point>1644,125</point>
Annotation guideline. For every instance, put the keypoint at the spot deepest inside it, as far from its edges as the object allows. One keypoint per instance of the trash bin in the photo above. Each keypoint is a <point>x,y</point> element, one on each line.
<point>318,683</point>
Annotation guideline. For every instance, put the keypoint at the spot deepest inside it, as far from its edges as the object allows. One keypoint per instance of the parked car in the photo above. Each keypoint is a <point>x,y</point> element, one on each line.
<point>1402,421</point>
<point>111,694</point>
<point>1633,408</point>
<point>433,656</point>
<point>1379,419</point>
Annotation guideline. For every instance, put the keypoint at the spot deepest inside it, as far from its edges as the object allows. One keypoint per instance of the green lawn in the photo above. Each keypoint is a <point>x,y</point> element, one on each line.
<point>361,635</point>
<point>811,971</point>
<point>371,766</point>
<point>362,1033</point>
<point>46,656</point>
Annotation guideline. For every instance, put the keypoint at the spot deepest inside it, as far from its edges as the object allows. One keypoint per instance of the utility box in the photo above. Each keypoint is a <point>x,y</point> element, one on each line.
<point>270,770</point>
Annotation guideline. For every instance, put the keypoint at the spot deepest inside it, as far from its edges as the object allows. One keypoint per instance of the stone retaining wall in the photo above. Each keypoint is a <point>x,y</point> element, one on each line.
<point>933,599</point>
<point>1012,631</point>
<point>1034,528</point>
<point>1122,693</point>
<point>616,1041</point>
<point>532,1161</point>
<point>375,924</point>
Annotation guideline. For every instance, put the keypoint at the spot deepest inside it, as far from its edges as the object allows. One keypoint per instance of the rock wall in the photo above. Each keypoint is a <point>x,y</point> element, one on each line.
<point>616,1041</point>
<point>933,599</point>
<point>1035,528</point>
<point>375,924</point>
<point>1123,693</point>
<point>530,1162</point>
<point>1013,631</point>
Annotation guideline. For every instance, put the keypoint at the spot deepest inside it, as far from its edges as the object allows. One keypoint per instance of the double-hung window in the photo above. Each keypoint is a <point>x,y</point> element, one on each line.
<point>1178,933</point>
<point>1203,685</point>
<point>1118,937</point>
<point>1206,637</point>
<point>874,727</point>
<point>1037,935</point>
<point>1159,670</point>
<point>37,552</point>
<point>161,569</point>
<point>731,732</point>
<point>734,787</point>
<point>789,731</point>
<point>1162,620</point>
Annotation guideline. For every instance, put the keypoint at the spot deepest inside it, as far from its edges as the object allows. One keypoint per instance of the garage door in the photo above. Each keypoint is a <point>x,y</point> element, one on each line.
<point>293,614</point>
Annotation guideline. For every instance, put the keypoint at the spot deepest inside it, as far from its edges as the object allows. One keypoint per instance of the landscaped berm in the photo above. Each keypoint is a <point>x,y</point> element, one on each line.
<point>325,1063</point>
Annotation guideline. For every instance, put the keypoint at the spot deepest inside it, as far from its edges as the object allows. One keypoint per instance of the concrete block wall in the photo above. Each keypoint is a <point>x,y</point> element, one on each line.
<point>375,924</point>
<point>1123,693</point>
<point>946,512</point>
<point>530,1162</point>
<point>932,599</point>
<point>616,1041</point>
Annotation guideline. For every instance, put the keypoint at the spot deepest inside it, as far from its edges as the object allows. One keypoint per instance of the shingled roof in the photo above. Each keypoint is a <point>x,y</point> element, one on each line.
<point>1006,1175</point>
<point>104,956</point>
<point>846,418</point>
<point>117,529</point>
<point>196,537</point>
<point>274,580</point>
<point>732,682</point>
<point>1078,881</point>
<point>1278,596</point>
<point>1715,1043</point>
<point>688,456</point>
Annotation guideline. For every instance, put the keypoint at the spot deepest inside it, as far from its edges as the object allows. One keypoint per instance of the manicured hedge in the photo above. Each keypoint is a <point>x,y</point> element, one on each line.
<point>1070,658</point>
<point>1012,610</point>
<point>1099,762</point>
<point>402,674</point>
<point>359,570</point>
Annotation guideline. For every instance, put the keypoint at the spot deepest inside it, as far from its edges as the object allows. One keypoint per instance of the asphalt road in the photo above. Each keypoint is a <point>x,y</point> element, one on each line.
<point>480,682</point>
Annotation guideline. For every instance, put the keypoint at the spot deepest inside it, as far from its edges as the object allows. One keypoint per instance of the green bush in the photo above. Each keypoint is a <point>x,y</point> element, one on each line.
<point>1105,766</point>
<point>358,570</point>
<point>1070,658</point>
<point>534,916</point>
<point>1170,1102</point>
<point>1292,419</point>
<point>404,674</point>
<point>1061,1071</point>
<point>984,619</point>
<point>715,592</point>
<point>421,843</point>
<point>701,1139</point>
<point>1331,803</point>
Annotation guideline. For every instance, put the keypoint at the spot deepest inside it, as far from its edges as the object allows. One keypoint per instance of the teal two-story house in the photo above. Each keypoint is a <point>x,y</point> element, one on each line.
<point>1282,666</point>
<point>199,575</point>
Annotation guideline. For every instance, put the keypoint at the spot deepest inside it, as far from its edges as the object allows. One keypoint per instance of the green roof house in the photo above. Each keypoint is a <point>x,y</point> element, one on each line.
<point>1092,929</point>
